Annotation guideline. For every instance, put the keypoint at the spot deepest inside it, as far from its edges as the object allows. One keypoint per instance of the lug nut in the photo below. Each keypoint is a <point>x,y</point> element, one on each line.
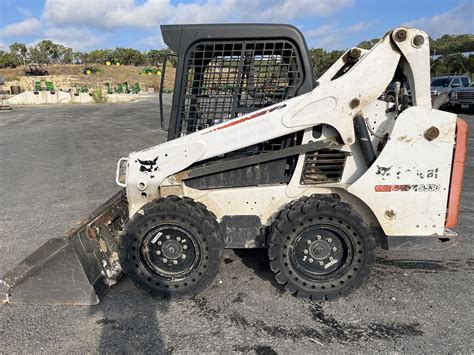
<point>158,252</point>
<point>165,260</point>
<point>178,238</point>
<point>334,249</point>
<point>168,237</point>
<point>175,262</point>
<point>318,236</point>
<point>310,260</point>
<point>308,241</point>
<point>183,241</point>
<point>160,242</point>
<point>331,258</point>
<point>183,256</point>
<point>321,263</point>
<point>185,247</point>
<point>305,251</point>
<point>329,240</point>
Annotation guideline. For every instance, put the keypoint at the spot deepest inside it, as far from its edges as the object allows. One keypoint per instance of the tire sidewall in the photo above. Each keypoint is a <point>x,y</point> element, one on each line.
<point>357,232</point>
<point>205,234</point>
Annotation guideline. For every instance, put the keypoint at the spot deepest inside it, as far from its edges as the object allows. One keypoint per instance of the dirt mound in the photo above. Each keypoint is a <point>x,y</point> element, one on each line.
<point>67,76</point>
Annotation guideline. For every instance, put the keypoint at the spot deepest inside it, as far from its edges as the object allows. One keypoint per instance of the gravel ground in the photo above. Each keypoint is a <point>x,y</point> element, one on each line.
<point>58,164</point>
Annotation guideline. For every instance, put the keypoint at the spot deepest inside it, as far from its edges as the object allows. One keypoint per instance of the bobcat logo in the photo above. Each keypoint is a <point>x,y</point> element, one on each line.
<point>383,171</point>
<point>148,166</point>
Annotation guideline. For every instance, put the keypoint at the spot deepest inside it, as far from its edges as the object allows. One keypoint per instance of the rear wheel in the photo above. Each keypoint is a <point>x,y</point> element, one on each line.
<point>174,248</point>
<point>320,248</point>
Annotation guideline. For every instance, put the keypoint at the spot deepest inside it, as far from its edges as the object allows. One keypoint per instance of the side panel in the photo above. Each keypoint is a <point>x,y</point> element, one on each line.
<point>407,186</point>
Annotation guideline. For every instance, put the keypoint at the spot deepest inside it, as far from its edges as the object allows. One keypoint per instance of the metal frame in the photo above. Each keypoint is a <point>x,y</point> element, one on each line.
<point>407,158</point>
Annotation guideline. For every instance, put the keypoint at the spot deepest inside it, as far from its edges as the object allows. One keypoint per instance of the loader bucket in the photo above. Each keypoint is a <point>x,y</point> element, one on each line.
<point>76,269</point>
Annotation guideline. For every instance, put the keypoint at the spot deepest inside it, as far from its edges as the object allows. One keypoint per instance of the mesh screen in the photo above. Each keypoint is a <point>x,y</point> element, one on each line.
<point>227,80</point>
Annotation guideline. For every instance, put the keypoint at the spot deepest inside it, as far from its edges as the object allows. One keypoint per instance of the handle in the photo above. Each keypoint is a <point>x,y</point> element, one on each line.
<point>163,71</point>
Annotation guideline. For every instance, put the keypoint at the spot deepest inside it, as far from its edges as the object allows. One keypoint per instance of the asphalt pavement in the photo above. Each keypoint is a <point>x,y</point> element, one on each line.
<point>57,163</point>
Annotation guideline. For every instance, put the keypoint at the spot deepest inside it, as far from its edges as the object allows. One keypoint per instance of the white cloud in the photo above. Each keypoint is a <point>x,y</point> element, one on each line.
<point>119,13</point>
<point>359,27</point>
<point>27,27</point>
<point>321,31</point>
<point>330,36</point>
<point>77,38</point>
<point>152,41</point>
<point>25,12</point>
<point>458,20</point>
<point>326,36</point>
<point>284,10</point>
<point>202,12</point>
<point>105,14</point>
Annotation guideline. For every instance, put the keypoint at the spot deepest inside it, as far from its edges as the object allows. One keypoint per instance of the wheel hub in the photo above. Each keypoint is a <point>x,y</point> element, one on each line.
<point>170,251</point>
<point>318,251</point>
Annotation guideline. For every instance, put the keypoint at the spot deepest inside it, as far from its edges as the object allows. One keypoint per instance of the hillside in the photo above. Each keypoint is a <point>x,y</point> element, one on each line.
<point>66,76</point>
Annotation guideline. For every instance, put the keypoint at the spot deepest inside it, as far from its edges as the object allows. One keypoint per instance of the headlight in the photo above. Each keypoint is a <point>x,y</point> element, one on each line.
<point>454,95</point>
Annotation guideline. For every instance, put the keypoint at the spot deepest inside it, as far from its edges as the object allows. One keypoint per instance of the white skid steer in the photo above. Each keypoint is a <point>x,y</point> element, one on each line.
<point>260,155</point>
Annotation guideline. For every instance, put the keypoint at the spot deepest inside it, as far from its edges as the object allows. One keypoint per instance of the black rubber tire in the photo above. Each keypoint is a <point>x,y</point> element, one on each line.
<point>320,210</point>
<point>183,213</point>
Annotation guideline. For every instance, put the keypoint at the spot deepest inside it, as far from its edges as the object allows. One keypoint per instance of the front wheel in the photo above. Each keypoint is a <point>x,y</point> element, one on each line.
<point>320,248</point>
<point>174,249</point>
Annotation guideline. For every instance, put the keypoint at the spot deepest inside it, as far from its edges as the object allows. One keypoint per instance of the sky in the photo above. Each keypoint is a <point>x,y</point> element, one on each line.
<point>330,24</point>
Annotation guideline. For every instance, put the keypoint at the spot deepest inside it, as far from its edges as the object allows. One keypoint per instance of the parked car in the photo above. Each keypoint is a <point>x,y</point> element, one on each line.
<point>462,98</point>
<point>442,84</point>
<point>439,85</point>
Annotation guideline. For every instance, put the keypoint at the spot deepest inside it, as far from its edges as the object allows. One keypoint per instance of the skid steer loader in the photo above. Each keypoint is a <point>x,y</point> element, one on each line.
<point>260,155</point>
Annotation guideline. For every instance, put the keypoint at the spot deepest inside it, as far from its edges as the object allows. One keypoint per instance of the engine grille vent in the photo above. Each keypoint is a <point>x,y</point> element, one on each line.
<point>466,94</point>
<point>323,166</point>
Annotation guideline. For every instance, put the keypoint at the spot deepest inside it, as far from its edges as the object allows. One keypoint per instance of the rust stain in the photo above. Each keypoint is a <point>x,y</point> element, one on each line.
<point>404,138</point>
<point>245,118</point>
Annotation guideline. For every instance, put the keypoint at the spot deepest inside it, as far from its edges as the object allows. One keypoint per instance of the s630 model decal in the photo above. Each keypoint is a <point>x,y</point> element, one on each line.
<point>417,188</point>
<point>245,118</point>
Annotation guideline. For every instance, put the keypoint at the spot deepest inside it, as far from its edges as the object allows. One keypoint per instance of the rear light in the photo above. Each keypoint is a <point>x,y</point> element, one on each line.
<point>457,174</point>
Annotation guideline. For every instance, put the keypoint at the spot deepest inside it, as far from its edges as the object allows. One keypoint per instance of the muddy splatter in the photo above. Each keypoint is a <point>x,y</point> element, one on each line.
<point>238,319</point>
<point>426,266</point>
<point>329,329</point>
<point>259,349</point>
<point>239,298</point>
<point>106,321</point>
<point>205,310</point>
<point>342,331</point>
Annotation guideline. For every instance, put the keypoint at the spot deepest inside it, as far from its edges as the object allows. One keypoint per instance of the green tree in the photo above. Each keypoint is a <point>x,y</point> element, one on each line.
<point>99,56</point>
<point>453,64</point>
<point>7,60</point>
<point>20,52</point>
<point>322,60</point>
<point>368,44</point>
<point>83,57</point>
<point>67,56</point>
<point>449,44</point>
<point>37,56</point>
<point>50,52</point>
<point>129,56</point>
<point>156,57</point>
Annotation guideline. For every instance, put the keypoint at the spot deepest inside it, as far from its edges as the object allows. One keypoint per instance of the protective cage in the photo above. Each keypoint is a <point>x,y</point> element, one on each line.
<point>230,77</point>
<point>227,80</point>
